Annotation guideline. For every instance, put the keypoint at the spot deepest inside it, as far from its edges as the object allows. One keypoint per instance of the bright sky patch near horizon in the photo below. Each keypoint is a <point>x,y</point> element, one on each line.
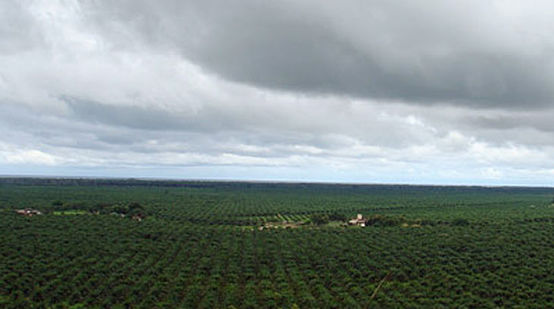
<point>438,92</point>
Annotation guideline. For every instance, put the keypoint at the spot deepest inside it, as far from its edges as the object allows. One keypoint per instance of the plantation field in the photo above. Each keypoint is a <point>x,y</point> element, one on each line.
<point>257,245</point>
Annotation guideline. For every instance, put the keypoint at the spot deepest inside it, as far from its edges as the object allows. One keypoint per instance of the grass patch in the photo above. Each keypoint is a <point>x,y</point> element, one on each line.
<point>336,224</point>
<point>69,212</point>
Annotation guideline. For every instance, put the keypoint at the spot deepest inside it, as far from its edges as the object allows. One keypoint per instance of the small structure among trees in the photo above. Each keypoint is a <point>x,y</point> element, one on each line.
<point>359,220</point>
<point>138,216</point>
<point>28,212</point>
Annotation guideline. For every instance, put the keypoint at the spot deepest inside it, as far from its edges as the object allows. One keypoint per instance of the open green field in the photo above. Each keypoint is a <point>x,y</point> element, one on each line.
<point>200,245</point>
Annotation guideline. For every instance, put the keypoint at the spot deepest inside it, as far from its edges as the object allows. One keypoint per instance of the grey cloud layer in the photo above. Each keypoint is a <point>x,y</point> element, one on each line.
<point>473,53</point>
<point>432,91</point>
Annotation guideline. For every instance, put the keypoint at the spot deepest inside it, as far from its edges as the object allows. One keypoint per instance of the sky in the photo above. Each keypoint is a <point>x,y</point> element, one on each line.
<point>415,92</point>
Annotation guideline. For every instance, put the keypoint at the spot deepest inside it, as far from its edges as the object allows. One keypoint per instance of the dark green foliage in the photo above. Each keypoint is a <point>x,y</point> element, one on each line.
<point>460,222</point>
<point>336,216</point>
<point>380,220</point>
<point>438,247</point>
<point>319,219</point>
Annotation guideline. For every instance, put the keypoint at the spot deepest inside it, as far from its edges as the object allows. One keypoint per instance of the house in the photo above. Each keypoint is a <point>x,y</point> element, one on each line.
<point>28,212</point>
<point>138,217</point>
<point>359,220</point>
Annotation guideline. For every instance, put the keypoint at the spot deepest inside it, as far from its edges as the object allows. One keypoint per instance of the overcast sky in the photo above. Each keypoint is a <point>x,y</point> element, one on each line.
<point>439,92</point>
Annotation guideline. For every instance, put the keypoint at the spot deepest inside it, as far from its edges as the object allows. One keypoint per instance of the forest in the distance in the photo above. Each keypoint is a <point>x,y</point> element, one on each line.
<point>128,243</point>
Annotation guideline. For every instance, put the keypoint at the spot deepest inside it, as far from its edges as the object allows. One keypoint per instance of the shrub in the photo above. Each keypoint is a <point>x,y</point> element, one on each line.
<point>337,217</point>
<point>319,219</point>
<point>460,222</point>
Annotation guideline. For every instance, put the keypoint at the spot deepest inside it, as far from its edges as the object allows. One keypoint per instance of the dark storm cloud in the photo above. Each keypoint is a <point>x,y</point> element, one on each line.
<point>370,49</point>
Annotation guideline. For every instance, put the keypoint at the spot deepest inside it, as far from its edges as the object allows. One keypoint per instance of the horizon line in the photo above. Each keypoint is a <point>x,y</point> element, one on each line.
<point>274,181</point>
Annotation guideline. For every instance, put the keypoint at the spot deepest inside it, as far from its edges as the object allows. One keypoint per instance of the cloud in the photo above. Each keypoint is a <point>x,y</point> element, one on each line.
<point>379,91</point>
<point>33,157</point>
<point>492,55</point>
